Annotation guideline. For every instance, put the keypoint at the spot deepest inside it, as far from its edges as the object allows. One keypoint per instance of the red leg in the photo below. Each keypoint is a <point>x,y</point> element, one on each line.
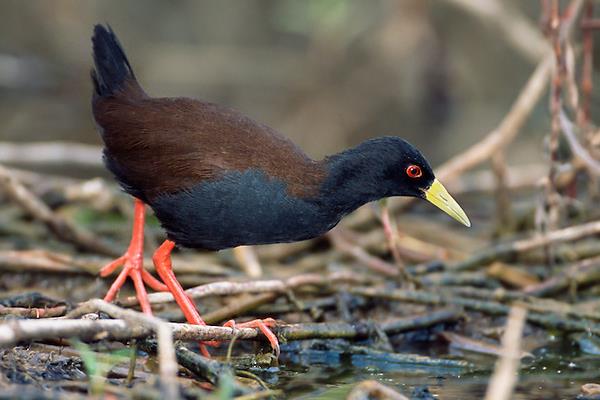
<point>164,268</point>
<point>132,262</point>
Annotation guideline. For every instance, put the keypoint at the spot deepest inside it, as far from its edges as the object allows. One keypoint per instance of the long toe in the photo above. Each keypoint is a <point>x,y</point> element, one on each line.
<point>264,326</point>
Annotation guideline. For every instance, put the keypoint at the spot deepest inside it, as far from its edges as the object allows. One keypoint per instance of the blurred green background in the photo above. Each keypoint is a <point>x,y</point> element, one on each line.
<point>327,73</point>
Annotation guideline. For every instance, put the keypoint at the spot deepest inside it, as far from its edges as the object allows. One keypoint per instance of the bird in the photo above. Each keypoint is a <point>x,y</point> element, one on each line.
<point>217,179</point>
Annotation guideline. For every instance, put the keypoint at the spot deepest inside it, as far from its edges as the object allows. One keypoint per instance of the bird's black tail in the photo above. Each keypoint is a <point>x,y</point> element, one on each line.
<point>112,69</point>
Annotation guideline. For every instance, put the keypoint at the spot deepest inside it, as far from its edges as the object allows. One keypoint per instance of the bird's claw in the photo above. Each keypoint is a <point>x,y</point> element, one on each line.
<point>264,326</point>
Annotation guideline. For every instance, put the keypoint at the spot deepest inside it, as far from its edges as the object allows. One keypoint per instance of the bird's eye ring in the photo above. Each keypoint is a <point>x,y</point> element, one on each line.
<point>414,171</point>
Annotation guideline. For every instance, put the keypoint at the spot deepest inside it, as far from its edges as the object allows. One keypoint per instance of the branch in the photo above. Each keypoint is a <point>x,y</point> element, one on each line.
<point>273,285</point>
<point>502,383</point>
<point>505,251</point>
<point>168,367</point>
<point>568,129</point>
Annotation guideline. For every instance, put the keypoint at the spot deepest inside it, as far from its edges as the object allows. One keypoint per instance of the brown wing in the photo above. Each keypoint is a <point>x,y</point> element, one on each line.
<point>165,145</point>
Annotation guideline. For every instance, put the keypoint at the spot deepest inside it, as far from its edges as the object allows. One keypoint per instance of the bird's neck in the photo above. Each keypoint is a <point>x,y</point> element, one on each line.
<point>355,177</point>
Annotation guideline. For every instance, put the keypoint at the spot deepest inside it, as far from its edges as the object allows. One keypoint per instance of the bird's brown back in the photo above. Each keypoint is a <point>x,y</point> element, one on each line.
<point>166,145</point>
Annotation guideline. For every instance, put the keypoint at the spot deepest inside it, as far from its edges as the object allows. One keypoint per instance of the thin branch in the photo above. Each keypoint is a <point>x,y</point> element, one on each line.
<point>357,252</point>
<point>502,383</point>
<point>273,285</point>
<point>166,352</point>
<point>568,129</point>
<point>505,251</point>
<point>550,320</point>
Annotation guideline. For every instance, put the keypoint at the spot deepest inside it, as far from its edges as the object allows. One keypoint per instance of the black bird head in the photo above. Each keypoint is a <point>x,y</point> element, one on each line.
<point>388,166</point>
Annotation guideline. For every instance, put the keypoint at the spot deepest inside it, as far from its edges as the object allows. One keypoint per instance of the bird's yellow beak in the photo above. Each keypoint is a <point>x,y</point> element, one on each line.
<point>439,196</point>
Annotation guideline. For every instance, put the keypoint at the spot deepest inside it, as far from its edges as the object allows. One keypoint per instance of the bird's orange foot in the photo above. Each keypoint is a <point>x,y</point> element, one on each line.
<point>264,326</point>
<point>133,265</point>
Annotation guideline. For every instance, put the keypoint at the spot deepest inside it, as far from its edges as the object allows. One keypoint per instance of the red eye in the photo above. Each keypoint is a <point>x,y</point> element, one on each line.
<point>414,171</point>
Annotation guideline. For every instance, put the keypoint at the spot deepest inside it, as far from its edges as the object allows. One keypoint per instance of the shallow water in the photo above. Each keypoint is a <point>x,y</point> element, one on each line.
<point>557,372</point>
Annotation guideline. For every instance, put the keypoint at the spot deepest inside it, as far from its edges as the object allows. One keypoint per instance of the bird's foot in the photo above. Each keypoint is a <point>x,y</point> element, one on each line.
<point>133,267</point>
<point>264,326</point>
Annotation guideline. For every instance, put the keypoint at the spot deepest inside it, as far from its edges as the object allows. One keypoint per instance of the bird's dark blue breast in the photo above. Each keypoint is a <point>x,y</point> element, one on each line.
<point>241,208</point>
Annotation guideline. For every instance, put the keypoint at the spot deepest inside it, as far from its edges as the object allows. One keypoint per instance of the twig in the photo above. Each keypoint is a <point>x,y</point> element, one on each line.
<point>47,312</point>
<point>274,285</point>
<point>583,272</point>
<point>568,129</point>
<point>12,332</point>
<point>587,84</point>
<point>503,381</point>
<point>62,228</point>
<point>248,260</point>
<point>505,251</point>
<point>202,367</point>
<point>547,320</point>
<point>390,229</point>
<point>376,264</point>
<point>45,261</point>
<point>166,352</point>
<point>422,321</point>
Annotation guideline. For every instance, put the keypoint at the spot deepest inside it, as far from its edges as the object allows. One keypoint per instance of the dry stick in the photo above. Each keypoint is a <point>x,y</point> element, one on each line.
<point>568,129</point>
<point>62,228</point>
<point>376,264</point>
<point>48,312</point>
<point>14,332</point>
<point>45,261</point>
<point>505,251</point>
<point>584,272</point>
<point>547,320</point>
<point>530,302</point>
<point>50,261</point>
<point>248,260</point>
<point>549,206</point>
<point>559,33</point>
<point>422,321</point>
<point>587,84</point>
<point>330,330</point>
<point>390,229</point>
<point>166,353</point>
<point>502,383</point>
<point>204,368</point>
<point>570,252</point>
<point>274,285</point>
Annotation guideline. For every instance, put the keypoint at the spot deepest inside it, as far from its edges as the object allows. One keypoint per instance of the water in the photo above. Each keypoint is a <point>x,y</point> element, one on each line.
<point>557,372</point>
